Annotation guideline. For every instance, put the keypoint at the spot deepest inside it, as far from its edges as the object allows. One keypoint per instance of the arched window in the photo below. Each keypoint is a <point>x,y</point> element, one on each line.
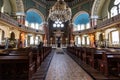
<point>12,36</point>
<point>115,10</point>
<point>116,2</point>
<point>82,21</point>
<point>77,40</point>
<point>119,8</point>
<point>78,26</point>
<point>82,27</point>
<point>115,37</point>
<point>33,20</point>
<point>83,40</point>
<point>88,40</point>
<point>87,25</point>
<point>3,35</point>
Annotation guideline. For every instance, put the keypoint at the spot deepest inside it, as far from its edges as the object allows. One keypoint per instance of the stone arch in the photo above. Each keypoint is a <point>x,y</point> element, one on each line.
<point>6,8</point>
<point>97,8</point>
<point>9,7</point>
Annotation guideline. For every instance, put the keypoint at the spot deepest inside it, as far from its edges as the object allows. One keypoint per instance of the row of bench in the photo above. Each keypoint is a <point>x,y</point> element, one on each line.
<point>105,61</point>
<point>22,63</point>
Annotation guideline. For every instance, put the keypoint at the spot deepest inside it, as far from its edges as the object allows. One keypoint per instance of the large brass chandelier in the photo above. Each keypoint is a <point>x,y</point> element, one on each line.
<point>60,11</point>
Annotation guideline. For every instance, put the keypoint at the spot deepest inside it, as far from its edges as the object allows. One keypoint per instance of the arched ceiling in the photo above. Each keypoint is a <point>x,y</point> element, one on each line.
<point>13,3</point>
<point>33,17</point>
<point>100,8</point>
<point>82,19</point>
<point>44,5</point>
<point>1,3</point>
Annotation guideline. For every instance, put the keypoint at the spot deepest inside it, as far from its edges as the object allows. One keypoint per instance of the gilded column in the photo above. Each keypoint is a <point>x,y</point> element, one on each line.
<point>46,34</point>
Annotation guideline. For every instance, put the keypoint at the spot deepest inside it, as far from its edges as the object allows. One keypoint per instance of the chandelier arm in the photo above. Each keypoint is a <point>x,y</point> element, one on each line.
<point>60,11</point>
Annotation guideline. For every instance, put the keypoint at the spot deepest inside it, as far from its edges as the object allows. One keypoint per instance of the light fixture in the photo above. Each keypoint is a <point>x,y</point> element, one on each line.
<point>58,24</point>
<point>60,11</point>
<point>54,25</point>
<point>62,25</point>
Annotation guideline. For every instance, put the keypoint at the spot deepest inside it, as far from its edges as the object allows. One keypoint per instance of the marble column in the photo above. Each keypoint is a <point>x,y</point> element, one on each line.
<point>46,34</point>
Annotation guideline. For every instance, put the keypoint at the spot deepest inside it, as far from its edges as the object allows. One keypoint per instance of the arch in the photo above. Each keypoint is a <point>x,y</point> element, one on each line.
<point>37,11</point>
<point>97,5</point>
<point>6,8</point>
<point>5,29</point>
<point>108,31</point>
<point>13,6</point>
<point>2,36</point>
<point>101,37</point>
<point>114,37</point>
<point>1,4</point>
<point>114,8</point>
<point>33,17</point>
<point>77,40</point>
<point>81,21</point>
<point>9,7</point>
<point>77,14</point>
<point>12,36</point>
<point>20,7</point>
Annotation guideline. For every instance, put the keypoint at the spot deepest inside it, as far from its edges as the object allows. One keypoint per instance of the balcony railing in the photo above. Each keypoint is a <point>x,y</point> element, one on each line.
<point>6,18</point>
<point>108,22</point>
<point>101,25</point>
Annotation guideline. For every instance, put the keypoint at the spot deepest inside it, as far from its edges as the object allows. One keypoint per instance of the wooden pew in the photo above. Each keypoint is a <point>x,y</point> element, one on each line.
<point>110,64</point>
<point>84,56</point>
<point>36,58</point>
<point>16,66</point>
<point>94,56</point>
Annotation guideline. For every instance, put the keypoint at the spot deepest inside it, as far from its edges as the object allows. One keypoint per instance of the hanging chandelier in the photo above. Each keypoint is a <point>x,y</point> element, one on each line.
<point>60,12</point>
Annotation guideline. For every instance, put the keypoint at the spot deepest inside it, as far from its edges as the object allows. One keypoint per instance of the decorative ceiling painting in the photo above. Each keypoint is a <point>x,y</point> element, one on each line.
<point>44,5</point>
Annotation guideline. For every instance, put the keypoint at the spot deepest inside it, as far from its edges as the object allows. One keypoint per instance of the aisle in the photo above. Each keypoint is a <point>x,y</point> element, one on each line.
<point>62,67</point>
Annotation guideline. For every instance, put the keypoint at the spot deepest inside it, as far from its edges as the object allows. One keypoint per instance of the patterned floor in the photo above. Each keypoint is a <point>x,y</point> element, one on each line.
<point>62,67</point>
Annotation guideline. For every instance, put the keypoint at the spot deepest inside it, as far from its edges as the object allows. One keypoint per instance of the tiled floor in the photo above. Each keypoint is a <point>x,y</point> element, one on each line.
<point>62,67</point>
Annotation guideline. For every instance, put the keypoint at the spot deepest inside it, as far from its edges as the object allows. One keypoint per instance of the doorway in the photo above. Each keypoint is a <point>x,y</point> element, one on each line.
<point>58,42</point>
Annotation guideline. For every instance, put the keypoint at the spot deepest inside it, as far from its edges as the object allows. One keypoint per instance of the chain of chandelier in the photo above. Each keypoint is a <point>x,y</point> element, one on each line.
<point>60,11</point>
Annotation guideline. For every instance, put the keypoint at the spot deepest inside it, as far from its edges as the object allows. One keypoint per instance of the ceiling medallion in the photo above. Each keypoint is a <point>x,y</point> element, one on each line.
<point>60,11</point>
